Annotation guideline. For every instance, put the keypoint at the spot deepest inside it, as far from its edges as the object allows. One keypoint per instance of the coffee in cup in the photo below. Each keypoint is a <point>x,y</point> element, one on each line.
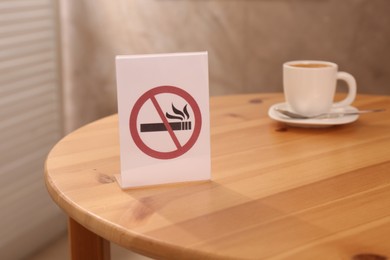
<point>310,65</point>
<point>309,86</point>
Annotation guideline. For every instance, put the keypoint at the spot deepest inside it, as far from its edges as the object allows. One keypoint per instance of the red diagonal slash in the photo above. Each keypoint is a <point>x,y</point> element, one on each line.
<point>165,121</point>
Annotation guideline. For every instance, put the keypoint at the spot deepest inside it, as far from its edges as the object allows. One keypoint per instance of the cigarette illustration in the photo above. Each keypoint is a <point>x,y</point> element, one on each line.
<point>176,126</point>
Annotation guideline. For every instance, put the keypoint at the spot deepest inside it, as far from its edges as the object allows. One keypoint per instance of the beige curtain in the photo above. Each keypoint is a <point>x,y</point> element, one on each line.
<point>247,41</point>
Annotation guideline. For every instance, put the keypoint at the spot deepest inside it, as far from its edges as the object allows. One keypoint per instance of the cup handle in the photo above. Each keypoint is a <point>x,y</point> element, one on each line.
<point>351,82</point>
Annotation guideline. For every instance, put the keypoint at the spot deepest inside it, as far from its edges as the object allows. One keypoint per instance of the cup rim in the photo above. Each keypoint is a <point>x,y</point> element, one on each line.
<point>289,64</point>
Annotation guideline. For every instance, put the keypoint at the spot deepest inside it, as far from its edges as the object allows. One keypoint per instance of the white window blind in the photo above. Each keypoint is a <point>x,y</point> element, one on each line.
<point>30,124</point>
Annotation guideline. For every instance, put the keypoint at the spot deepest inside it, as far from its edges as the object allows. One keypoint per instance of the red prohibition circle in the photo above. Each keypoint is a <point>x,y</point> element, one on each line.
<point>150,95</point>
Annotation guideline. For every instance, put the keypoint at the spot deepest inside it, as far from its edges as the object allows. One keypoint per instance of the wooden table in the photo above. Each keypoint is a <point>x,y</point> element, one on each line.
<point>277,192</point>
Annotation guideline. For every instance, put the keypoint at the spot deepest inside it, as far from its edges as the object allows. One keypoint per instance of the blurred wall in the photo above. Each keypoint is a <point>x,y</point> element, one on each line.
<point>247,41</point>
<point>30,125</point>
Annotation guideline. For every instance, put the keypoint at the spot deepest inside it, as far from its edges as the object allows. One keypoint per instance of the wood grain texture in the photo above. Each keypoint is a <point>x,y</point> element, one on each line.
<point>277,192</point>
<point>84,244</point>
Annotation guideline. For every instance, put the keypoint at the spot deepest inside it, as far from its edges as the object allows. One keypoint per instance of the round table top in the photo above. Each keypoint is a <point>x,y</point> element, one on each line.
<point>277,191</point>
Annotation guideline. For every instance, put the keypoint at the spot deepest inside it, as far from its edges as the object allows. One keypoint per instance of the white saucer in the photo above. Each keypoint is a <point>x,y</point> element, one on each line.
<point>326,122</point>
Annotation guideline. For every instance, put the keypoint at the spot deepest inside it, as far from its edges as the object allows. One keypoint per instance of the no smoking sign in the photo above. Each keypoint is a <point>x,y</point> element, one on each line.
<point>164,119</point>
<point>175,127</point>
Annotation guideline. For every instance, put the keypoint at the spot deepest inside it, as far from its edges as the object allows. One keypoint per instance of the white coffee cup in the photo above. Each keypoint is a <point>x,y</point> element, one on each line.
<point>309,86</point>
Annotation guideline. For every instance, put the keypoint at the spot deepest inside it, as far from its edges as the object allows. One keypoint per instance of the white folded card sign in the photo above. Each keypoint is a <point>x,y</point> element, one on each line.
<point>164,124</point>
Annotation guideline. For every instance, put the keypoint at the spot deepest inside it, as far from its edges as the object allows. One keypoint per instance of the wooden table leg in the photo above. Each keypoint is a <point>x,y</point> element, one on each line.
<point>85,244</point>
